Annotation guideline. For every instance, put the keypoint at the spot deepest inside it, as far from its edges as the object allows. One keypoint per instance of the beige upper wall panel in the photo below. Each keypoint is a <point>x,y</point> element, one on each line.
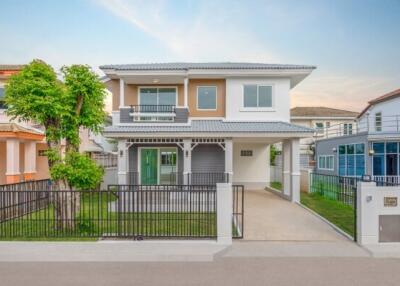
<point>131,93</point>
<point>192,102</point>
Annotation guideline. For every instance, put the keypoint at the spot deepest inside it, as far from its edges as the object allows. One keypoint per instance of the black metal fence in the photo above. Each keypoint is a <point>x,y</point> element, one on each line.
<point>28,185</point>
<point>177,178</point>
<point>342,189</point>
<point>129,211</point>
<point>210,178</point>
<point>238,211</point>
<point>339,189</point>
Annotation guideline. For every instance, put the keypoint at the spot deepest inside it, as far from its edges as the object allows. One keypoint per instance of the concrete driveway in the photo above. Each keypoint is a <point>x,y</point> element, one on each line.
<point>269,217</point>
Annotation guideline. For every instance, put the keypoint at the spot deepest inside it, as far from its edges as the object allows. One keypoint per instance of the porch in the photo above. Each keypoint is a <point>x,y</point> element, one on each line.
<point>207,161</point>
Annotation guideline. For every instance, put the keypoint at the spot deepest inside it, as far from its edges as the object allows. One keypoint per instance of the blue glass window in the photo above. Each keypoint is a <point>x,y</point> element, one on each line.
<point>350,165</point>
<point>360,165</point>
<point>379,148</point>
<point>359,148</point>
<point>342,165</point>
<point>391,147</point>
<point>378,165</point>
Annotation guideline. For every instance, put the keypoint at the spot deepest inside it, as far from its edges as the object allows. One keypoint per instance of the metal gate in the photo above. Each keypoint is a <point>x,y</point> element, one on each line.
<point>238,211</point>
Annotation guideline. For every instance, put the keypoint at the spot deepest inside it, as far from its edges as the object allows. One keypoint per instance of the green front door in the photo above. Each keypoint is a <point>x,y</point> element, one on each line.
<point>149,166</point>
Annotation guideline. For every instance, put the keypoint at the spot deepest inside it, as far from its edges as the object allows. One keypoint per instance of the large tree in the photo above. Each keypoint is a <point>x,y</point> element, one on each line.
<point>62,107</point>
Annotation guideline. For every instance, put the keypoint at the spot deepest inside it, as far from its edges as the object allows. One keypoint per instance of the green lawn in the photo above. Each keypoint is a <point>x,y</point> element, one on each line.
<point>96,220</point>
<point>276,185</point>
<point>338,213</point>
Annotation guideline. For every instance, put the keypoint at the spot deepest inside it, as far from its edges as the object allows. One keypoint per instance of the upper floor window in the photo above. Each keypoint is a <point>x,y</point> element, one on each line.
<point>378,121</point>
<point>2,102</point>
<point>348,128</point>
<point>157,96</point>
<point>257,96</point>
<point>207,97</point>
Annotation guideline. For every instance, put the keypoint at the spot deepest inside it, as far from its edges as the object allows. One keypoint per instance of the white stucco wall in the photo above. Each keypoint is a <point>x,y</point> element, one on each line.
<point>280,100</point>
<point>390,109</point>
<point>370,205</point>
<point>252,171</point>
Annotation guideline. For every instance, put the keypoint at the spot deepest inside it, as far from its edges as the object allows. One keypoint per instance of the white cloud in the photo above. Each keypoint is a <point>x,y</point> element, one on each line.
<point>210,35</point>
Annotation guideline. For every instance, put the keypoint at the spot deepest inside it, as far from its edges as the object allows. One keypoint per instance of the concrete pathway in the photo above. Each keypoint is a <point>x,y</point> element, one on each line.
<point>269,217</point>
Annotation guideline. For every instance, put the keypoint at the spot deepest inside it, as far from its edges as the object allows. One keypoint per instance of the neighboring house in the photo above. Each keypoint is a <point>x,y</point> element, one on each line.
<point>21,143</point>
<point>198,123</point>
<point>371,149</point>
<point>321,119</point>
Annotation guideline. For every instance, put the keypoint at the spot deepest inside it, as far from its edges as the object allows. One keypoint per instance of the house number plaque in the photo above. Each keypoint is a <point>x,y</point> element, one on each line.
<point>390,201</point>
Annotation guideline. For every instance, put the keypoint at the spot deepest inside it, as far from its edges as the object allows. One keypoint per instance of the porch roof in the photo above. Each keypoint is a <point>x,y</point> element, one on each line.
<point>212,126</point>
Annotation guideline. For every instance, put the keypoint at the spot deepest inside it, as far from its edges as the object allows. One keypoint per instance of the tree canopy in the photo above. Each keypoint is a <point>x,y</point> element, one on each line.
<point>62,107</point>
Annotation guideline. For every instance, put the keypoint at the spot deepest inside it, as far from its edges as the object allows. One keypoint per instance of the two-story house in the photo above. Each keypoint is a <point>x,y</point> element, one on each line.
<point>372,148</point>
<point>320,118</point>
<point>201,123</point>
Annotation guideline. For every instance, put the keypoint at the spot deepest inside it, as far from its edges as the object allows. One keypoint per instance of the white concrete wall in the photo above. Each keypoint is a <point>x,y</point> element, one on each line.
<point>253,172</point>
<point>110,177</point>
<point>370,204</point>
<point>280,100</point>
<point>389,108</point>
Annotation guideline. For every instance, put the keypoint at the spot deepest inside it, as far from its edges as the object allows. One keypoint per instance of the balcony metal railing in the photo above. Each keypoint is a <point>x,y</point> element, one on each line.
<point>153,112</point>
<point>368,124</point>
<point>152,108</point>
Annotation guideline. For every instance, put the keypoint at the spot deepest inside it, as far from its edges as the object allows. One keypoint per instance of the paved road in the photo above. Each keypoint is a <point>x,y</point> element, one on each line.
<point>224,271</point>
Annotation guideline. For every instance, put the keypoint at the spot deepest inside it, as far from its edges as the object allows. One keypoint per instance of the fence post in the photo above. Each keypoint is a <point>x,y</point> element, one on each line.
<point>224,213</point>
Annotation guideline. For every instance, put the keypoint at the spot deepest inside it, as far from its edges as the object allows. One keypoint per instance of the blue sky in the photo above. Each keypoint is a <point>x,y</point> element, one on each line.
<point>354,44</point>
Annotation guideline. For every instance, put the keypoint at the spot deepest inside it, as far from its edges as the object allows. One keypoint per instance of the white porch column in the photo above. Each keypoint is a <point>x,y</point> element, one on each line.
<point>185,90</point>
<point>187,160</point>
<point>122,162</point>
<point>12,171</point>
<point>30,160</point>
<point>286,167</point>
<point>229,159</point>
<point>224,213</point>
<point>295,170</point>
<point>121,93</point>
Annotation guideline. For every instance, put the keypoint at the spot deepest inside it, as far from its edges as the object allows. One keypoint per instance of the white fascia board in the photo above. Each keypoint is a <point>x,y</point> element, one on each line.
<point>282,135</point>
<point>323,117</point>
<point>249,72</point>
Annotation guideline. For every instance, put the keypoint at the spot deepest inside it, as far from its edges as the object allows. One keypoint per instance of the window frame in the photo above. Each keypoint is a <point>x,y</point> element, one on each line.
<point>326,167</point>
<point>216,98</point>
<point>3,107</point>
<point>355,154</point>
<point>158,87</point>
<point>258,108</point>
<point>378,114</point>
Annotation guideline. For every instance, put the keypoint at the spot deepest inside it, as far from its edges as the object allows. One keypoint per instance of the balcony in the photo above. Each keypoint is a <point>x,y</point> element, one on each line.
<point>153,113</point>
<point>371,125</point>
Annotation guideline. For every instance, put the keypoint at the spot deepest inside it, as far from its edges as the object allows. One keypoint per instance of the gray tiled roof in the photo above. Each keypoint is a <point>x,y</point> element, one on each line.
<point>11,67</point>
<point>221,65</point>
<point>213,126</point>
<point>320,111</point>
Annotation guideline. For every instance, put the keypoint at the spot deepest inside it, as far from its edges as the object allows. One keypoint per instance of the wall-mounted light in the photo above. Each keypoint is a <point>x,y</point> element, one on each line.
<point>334,149</point>
<point>187,153</point>
<point>366,178</point>
<point>371,152</point>
<point>156,80</point>
<point>121,153</point>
